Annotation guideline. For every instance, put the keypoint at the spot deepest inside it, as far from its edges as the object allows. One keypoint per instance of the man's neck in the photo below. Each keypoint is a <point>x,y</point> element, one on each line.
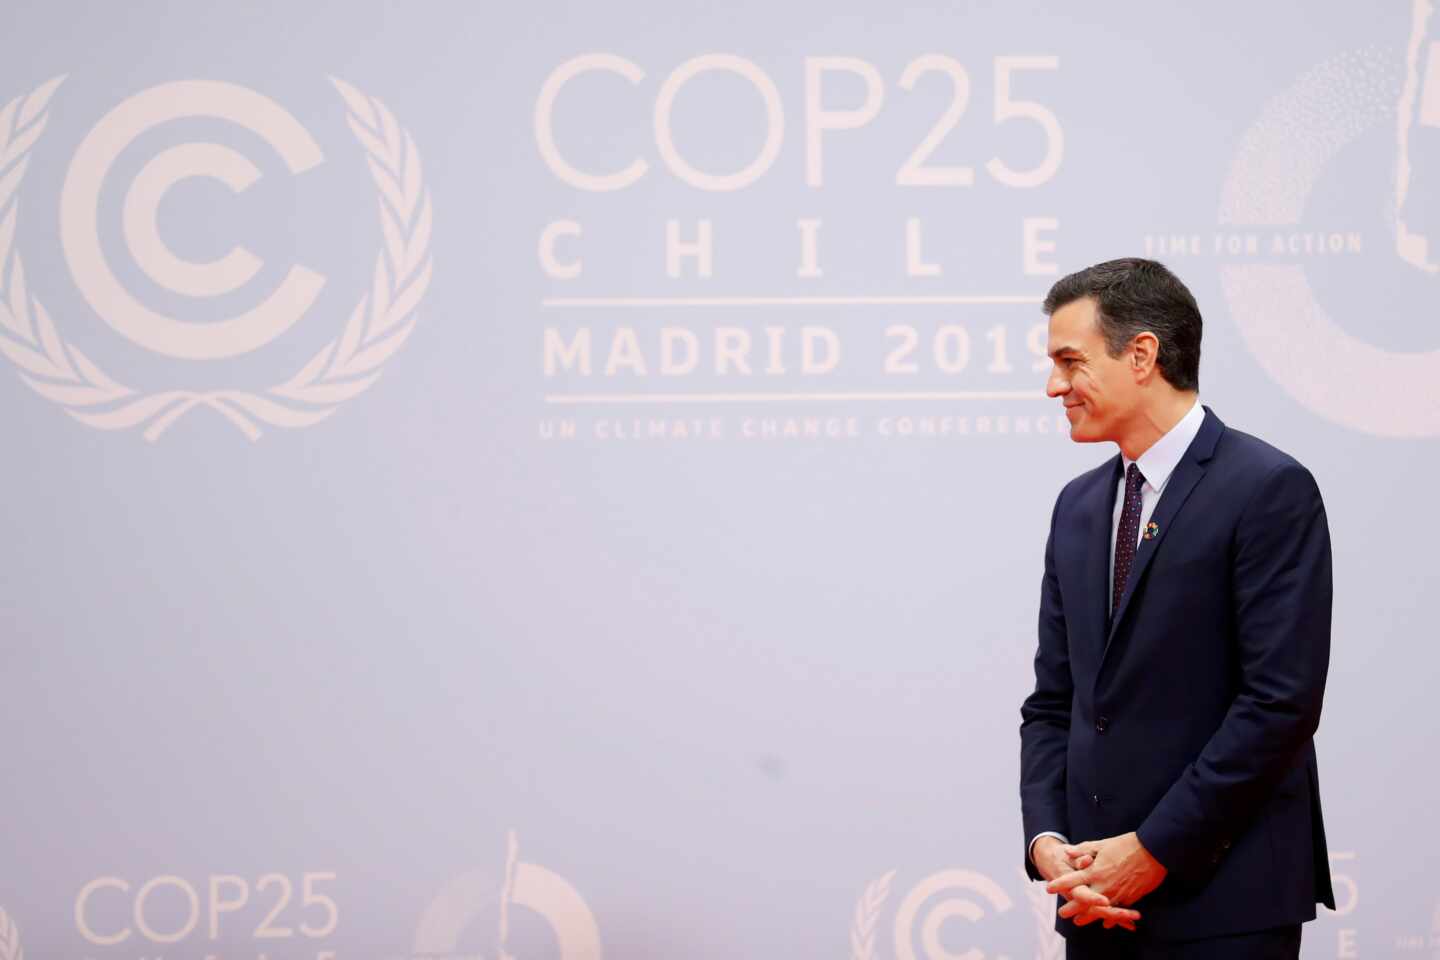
<point>1154,420</point>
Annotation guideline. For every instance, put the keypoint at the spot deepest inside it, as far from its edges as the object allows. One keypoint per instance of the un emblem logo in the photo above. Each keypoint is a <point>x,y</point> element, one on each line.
<point>348,364</point>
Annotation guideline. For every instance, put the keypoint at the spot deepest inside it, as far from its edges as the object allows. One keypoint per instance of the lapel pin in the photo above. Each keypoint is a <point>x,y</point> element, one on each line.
<point>1152,530</point>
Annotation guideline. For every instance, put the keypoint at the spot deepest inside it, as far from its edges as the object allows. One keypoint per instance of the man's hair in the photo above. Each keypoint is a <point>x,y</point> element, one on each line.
<point>1132,296</point>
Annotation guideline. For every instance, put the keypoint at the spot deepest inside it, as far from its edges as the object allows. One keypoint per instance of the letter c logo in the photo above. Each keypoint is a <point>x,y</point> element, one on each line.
<point>80,237</point>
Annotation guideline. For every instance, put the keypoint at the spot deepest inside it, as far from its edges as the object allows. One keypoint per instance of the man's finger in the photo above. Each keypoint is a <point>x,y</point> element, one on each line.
<point>1087,896</point>
<point>1073,850</point>
<point>1097,904</point>
<point>1068,881</point>
<point>1085,899</point>
<point>1094,914</point>
<point>1113,916</point>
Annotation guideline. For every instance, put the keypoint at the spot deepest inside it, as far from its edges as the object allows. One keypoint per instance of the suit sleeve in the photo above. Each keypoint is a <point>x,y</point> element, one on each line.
<point>1282,595</point>
<point>1045,715</point>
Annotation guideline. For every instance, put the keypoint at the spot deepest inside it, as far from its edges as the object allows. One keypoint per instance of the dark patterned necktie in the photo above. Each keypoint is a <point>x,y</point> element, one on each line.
<point>1127,535</point>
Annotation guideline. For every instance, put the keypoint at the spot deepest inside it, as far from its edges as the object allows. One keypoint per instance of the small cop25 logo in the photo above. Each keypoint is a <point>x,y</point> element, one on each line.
<point>175,911</point>
<point>345,366</point>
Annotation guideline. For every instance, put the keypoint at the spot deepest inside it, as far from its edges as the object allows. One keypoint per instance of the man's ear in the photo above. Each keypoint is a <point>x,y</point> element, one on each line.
<point>1144,352</point>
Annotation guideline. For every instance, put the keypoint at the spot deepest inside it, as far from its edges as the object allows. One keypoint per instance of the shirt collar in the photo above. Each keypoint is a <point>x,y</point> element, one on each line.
<point>1157,463</point>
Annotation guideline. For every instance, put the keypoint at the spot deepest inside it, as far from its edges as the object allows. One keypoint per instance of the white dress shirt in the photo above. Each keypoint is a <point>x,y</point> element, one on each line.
<point>1156,466</point>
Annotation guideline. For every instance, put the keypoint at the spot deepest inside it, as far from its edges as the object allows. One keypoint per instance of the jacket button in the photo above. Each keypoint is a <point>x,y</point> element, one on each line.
<point>1102,724</point>
<point>1096,799</point>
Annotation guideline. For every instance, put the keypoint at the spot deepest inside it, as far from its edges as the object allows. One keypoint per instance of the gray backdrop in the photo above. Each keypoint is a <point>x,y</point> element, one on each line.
<point>569,481</point>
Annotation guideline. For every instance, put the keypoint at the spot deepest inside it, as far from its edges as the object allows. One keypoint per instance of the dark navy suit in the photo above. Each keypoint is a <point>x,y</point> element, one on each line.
<point>1188,717</point>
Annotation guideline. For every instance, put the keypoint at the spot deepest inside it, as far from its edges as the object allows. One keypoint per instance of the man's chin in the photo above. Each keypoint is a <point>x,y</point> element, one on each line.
<point>1077,428</point>
<point>1078,431</point>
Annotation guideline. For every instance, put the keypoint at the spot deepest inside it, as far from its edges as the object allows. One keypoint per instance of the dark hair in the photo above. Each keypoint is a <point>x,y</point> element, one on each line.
<point>1133,296</point>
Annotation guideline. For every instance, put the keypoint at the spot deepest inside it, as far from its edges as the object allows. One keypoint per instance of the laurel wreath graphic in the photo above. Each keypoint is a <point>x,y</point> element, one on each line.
<point>867,913</point>
<point>351,363</point>
<point>1049,945</point>
<point>9,939</point>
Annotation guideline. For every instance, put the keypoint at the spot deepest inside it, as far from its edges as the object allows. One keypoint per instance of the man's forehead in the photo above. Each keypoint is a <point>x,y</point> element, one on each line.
<point>1072,327</point>
<point>1076,315</point>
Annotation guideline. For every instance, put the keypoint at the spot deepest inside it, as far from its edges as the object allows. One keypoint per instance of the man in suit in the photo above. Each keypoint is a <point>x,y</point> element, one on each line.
<point>1184,642</point>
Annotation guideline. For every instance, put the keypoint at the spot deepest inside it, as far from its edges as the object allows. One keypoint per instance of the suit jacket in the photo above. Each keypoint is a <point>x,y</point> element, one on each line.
<point>1188,717</point>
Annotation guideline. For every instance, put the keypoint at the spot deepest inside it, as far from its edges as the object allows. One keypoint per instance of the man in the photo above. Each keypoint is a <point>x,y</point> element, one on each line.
<point>1184,642</point>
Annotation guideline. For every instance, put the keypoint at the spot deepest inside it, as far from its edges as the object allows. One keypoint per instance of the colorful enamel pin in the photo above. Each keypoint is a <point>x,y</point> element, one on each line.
<point>1152,530</point>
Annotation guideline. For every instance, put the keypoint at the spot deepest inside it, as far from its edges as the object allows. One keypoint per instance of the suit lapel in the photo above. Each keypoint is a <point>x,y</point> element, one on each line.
<point>1177,490</point>
<point>1100,510</point>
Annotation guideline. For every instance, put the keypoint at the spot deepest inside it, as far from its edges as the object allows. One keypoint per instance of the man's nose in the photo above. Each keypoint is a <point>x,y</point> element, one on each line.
<point>1057,385</point>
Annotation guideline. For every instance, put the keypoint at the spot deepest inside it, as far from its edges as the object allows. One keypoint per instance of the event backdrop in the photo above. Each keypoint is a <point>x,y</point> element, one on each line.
<point>567,481</point>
